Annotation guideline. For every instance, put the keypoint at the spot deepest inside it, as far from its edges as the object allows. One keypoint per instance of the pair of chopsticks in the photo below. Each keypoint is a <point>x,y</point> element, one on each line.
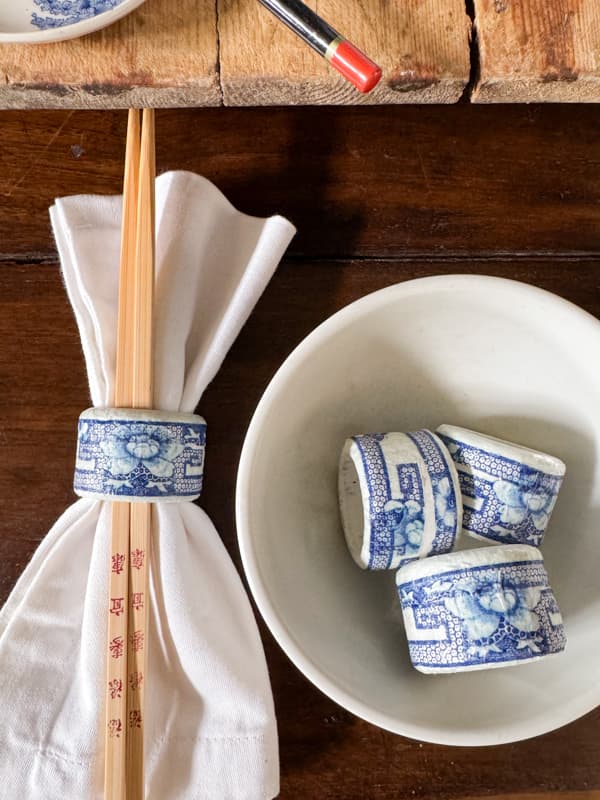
<point>131,522</point>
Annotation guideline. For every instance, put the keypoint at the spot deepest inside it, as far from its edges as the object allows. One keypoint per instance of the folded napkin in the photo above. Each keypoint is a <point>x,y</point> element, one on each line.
<point>210,725</point>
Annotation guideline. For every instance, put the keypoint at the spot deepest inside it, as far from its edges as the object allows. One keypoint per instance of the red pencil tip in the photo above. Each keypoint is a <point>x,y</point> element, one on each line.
<point>355,66</point>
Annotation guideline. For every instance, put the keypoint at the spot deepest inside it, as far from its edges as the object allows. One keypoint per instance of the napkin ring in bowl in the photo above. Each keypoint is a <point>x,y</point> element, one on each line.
<point>475,609</point>
<point>399,498</point>
<point>139,455</point>
<point>508,491</point>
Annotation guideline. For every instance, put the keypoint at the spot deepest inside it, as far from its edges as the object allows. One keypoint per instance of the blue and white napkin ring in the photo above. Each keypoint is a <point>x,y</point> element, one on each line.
<point>139,455</point>
<point>508,491</point>
<point>478,609</point>
<point>399,498</point>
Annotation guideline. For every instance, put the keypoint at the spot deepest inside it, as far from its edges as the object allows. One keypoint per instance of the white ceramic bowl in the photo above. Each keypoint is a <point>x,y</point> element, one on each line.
<point>489,354</point>
<point>16,24</point>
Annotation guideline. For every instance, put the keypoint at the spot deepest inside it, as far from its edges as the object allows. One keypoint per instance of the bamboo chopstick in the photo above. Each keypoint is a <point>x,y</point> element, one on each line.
<point>131,522</point>
<point>141,513</point>
<point>123,373</point>
<point>118,594</point>
<point>116,658</point>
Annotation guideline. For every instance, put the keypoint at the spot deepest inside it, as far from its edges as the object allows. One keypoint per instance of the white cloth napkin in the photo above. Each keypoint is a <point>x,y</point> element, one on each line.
<point>211,731</point>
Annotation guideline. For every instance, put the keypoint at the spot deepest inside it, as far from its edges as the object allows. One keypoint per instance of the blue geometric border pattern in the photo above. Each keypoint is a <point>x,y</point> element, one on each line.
<point>145,456</point>
<point>504,500</point>
<point>477,616</point>
<point>69,12</point>
<point>444,493</point>
<point>396,522</point>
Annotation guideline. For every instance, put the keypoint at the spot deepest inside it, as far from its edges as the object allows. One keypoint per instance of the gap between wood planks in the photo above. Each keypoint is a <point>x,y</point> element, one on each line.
<point>218,64</point>
<point>473,54</point>
<point>16,261</point>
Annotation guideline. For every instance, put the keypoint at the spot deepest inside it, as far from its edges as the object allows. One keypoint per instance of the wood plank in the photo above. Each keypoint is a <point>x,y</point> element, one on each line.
<point>163,54</point>
<point>537,51</point>
<point>566,795</point>
<point>421,45</point>
<point>326,753</point>
<point>453,181</point>
<point>169,53</point>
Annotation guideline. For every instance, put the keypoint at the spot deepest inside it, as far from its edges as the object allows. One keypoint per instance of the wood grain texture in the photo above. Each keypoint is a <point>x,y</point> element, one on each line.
<point>326,753</point>
<point>166,53</point>
<point>210,52</point>
<point>380,182</point>
<point>163,54</point>
<point>421,46</point>
<point>537,50</point>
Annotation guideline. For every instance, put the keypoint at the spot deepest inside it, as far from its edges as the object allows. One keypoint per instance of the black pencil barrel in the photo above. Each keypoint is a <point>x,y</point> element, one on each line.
<point>303,21</point>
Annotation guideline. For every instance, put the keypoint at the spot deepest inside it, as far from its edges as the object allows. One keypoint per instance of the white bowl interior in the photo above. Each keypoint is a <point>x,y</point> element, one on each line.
<point>488,354</point>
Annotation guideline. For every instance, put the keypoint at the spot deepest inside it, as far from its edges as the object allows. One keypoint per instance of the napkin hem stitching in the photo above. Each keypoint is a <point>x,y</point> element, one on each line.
<point>53,755</point>
<point>240,738</point>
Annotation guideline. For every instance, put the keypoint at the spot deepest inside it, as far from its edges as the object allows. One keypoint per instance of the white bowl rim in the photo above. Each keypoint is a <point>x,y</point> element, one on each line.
<point>99,21</point>
<point>541,724</point>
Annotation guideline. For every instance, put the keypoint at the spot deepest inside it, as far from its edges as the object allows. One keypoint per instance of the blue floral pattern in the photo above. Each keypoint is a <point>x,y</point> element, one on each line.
<point>483,615</point>
<point>520,500</point>
<point>445,502</point>
<point>484,607</point>
<point>504,500</point>
<point>409,517</point>
<point>67,12</point>
<point>404,520</point>
<point>140,444</point>
<point>145,459</point>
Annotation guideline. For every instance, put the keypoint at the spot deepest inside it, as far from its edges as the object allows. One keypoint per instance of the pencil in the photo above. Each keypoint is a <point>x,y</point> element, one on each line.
<point>347,59</point>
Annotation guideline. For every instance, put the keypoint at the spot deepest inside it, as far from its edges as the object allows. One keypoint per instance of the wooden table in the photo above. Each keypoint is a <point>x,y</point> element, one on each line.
<point>233,53</point>
<point>378,197</point>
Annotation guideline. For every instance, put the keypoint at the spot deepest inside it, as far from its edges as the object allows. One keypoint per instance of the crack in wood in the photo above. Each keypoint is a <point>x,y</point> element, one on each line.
<point>218,61</point>
<point>474,54</point>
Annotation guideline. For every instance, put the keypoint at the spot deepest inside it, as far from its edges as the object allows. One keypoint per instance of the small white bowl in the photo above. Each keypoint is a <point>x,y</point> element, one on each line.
<point>16,25</point>
<point>491,355</point>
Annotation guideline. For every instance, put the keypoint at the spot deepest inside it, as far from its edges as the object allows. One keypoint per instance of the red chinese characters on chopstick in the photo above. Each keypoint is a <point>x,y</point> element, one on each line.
<point>114,728</point>
<point>135,718</point>
<point>137,641</point>
<point>116,647</point>
<point>115,687</point>
<point>137,601</point>
<point>118,563</point>
<point>137,559</point>
<point>116,605</point>
<point>135,680</point>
